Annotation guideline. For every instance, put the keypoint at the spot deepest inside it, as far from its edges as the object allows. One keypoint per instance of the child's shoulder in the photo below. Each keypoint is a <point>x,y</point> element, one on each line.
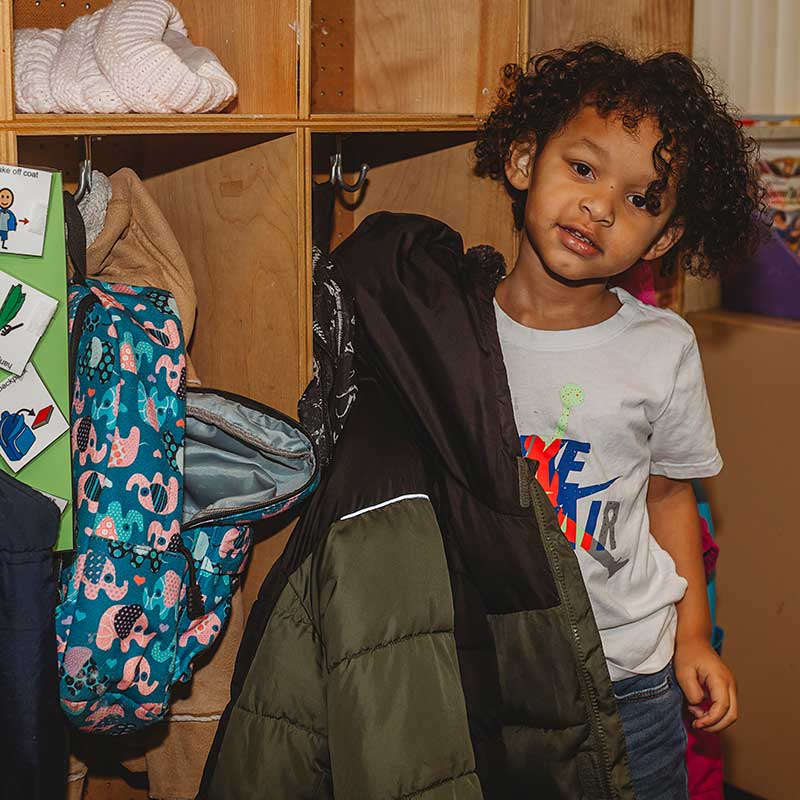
<point>663,323</point>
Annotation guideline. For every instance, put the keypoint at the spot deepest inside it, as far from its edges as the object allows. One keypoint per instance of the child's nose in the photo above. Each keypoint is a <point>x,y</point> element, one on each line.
<point>599,206</point>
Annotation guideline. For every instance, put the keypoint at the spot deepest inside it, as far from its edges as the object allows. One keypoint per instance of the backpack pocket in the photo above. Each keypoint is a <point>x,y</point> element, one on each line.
<point>220,556</point>
<point>244,462</point>
<point>121,616</point>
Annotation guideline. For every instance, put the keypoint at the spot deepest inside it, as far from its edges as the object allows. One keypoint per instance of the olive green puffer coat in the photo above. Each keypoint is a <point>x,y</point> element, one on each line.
<point>426,633</point>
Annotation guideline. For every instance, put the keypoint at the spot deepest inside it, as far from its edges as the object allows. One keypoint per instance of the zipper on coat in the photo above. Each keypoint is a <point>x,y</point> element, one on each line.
<point>585,679</point>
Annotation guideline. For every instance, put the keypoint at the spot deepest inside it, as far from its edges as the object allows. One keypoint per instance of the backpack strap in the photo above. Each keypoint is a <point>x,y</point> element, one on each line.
<point>76,238</point>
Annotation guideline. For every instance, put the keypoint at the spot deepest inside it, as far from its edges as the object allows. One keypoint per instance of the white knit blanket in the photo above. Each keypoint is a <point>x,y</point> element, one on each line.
<point>133,55</point>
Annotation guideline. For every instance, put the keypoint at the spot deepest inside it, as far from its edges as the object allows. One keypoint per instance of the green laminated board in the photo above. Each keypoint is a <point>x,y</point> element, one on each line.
<point>50,471</point>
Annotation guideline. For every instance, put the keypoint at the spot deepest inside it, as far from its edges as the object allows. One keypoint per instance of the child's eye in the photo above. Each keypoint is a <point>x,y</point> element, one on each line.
<point>638,200</point>
<point>584,170</point>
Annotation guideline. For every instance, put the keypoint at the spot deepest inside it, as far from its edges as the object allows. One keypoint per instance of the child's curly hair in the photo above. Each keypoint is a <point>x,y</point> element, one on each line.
<point>719,198</point>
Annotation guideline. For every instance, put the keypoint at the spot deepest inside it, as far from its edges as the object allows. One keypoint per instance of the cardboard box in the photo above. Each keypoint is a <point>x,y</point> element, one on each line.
<point>752,367</point>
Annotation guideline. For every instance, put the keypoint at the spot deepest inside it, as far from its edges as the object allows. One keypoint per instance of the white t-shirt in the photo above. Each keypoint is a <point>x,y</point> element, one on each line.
<point>600,409</point>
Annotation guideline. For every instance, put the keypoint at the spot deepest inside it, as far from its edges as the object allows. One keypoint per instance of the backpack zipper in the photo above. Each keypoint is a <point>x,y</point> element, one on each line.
<point>586,681</point>
<point>84,304</point>
<point>194,597</point>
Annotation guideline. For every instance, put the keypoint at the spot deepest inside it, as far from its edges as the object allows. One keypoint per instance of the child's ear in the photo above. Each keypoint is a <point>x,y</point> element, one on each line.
<point>520,164</point>
<point>669,237</point>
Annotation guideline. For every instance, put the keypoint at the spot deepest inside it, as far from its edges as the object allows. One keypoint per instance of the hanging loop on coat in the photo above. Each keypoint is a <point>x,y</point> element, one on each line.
<point>84,170</point>
<point>337,179</point>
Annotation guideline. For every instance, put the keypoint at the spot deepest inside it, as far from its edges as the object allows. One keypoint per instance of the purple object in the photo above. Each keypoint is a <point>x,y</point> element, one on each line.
<point>768,284</point>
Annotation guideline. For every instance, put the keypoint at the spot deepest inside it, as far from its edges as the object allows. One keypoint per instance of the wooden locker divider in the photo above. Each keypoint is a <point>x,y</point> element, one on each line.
<point>236,218</point>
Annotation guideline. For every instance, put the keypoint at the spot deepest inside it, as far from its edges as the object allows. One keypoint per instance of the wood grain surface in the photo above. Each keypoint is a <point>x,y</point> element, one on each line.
<point>235,216</point>
<point>641,25</point>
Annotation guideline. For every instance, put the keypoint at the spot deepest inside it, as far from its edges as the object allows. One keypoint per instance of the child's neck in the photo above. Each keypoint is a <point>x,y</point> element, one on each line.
<point>537,299</point>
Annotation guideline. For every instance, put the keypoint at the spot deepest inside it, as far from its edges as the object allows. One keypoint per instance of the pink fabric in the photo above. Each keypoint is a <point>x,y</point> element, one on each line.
<point>704,750</point>
<point>710,549</point>
<point>639,281</point>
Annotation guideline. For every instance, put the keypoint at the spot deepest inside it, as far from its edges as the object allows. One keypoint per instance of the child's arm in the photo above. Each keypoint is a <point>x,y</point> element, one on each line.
<point>675,525</point>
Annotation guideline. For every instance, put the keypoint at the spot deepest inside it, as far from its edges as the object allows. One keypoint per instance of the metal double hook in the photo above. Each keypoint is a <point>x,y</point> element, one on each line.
<point>85,171</point>
<point>337,178</point>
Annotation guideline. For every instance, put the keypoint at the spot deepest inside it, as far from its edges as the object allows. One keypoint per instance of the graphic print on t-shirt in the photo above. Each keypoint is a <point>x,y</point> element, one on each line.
<point>557,462</point>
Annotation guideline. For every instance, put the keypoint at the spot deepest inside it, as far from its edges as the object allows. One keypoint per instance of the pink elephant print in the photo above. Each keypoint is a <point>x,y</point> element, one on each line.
<point>109,407</point>
<point>106,300</point>
<point>155,495</point>
<point>101,714</point>
<point>130,355</point>
<point>90,485</point>
<point>153,409</point>
<point>175,372</point>
<point>204,629</point>
<point>124,449</point>
<point>149,711</point>
<point>159,538</point>
<point>123,288</point>
<point>235,542</point>
<point>167,590</point>
<point>117,527</point>
<point>78,400</point>
<point>74,706</point>
<point>169,336</point>
<point>97,574</point>
<point>136,672</point>
<point>84,442</point>
<point>125,624</point>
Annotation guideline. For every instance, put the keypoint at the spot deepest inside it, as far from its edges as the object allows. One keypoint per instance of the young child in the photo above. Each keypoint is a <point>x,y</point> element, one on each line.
<point>611,160</point>
<point>427,631</point>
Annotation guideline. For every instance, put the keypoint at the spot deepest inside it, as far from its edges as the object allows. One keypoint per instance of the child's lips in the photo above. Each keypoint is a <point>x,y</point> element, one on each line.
<point>576,244</point>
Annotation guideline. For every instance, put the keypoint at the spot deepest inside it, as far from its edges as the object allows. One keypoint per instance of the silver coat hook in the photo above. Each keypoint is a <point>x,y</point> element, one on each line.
<point>85,171</point>
<point>337,179</point>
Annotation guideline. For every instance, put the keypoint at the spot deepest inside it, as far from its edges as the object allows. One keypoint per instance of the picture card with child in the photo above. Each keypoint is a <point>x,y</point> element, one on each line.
<point>24,201</point>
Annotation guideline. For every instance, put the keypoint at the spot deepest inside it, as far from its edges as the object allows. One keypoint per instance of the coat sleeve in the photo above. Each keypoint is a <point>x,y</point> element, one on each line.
<point>397,721</point>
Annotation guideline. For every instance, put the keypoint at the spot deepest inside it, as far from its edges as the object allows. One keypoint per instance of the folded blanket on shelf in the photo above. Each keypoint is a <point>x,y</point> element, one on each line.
<point>134,55</point>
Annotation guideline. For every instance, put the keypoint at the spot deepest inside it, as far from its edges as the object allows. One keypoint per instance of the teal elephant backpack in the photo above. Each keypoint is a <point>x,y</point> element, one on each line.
<point>167,484</point>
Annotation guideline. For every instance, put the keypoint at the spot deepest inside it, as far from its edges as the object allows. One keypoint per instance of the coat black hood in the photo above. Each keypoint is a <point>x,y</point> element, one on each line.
<point>426,325</point>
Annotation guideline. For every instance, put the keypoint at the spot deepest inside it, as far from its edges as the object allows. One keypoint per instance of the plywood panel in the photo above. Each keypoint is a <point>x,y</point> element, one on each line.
<point>8,148</point>
<point>6,60</point>
<point>64,153</point>
<point>753,386</point>
<point>410,56</point>
<point>236,218</point>
<point>52,13</point>
<point>256,41</point>
<point>427,174</point>
<point>641,25</point>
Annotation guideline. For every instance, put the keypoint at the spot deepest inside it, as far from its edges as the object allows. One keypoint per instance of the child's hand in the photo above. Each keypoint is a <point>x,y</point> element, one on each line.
<point>703,676</point>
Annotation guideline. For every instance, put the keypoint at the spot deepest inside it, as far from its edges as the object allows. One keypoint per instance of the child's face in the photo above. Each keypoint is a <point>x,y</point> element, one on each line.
<point>6,198</point>
<point>590,181</point>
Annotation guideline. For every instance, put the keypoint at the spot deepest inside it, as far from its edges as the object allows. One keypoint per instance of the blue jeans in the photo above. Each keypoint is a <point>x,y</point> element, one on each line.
<point>651,707</point>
